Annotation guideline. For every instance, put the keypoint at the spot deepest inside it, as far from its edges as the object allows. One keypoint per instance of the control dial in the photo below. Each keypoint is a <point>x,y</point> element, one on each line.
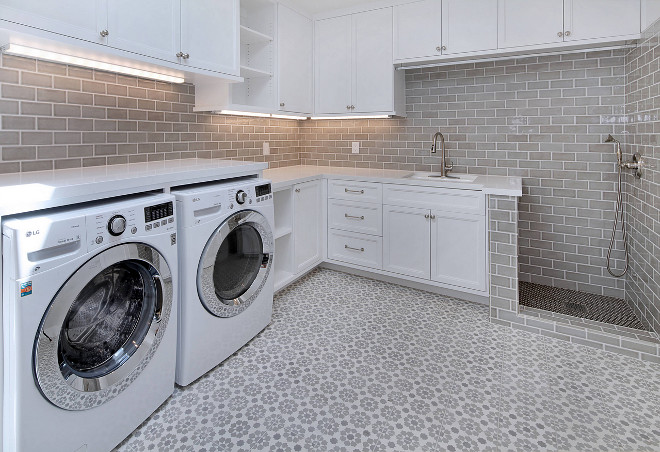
<point>241,197</point>
<point>117,225</point>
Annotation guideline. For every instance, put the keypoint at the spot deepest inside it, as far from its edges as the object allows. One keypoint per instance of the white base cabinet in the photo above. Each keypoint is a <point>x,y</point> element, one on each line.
<point>407,241</point>
<point>307,214</point>
<point>458,244</point>
<point>299,230</point>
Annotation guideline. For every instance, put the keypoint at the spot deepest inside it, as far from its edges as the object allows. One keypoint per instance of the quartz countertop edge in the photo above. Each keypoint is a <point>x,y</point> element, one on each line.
<point>25,192</point>
<point>490,185</point>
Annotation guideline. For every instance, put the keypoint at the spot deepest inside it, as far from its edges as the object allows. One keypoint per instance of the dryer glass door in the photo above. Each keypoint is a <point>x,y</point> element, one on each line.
<point>235,264</point>
<point>103,326</point>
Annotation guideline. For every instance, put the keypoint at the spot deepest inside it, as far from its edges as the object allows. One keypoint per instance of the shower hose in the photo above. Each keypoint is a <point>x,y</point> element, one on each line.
<point>620,212</point>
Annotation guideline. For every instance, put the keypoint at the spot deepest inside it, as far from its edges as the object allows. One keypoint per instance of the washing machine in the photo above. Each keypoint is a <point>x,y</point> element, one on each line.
<point>89,322</point>
<point>226,257</point>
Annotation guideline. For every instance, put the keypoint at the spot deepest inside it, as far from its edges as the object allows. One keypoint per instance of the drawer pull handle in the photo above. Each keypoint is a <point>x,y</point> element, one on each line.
<point>361,192</point>
<point>353,217</point>
<point>354,249</point>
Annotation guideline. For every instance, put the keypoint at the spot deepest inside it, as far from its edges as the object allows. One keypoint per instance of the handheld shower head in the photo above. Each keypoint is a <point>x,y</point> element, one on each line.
<point>619,155</point>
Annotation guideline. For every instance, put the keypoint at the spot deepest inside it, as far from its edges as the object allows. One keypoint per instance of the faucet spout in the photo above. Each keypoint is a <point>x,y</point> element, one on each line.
<point>444,167</point>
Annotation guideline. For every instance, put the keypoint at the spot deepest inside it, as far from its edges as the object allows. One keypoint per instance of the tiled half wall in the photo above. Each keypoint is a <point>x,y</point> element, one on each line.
<point>643,196</point>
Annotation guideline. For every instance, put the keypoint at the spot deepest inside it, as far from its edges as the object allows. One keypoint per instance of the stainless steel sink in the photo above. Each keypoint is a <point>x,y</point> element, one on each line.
<point>435,177</point>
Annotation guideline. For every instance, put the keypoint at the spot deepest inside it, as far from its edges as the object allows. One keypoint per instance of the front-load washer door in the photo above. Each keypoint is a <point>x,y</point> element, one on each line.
<point>235,264</point>
<point>103,326</point>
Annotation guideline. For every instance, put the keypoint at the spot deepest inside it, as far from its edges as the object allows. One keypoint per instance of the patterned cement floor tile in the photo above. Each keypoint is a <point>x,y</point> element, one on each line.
<point>352,364</point>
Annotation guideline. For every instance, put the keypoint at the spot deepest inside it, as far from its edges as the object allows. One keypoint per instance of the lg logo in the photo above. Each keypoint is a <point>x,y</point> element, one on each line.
<point>31,233</point>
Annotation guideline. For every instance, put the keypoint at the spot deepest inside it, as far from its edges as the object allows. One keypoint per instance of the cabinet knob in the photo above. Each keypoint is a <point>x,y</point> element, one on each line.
<point>427,216</point>
<point>560,34</point>
<point>352,107</point>
<point>104,33</point>
<point>348,107</point>
<point>185,56</point>
<point>444,48</point>
<point>432,217</point>
<point>567,33</point>
<point>438,49</point>
<point>297,190</point>
<point>281,104</point>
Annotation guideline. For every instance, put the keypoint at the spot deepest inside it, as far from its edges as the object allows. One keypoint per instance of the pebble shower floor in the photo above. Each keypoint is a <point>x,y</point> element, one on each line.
<point>353,364</point>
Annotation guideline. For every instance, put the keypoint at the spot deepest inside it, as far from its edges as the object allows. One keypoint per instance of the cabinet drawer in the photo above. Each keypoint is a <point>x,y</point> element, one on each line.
<point>355,216</point>
<point>355,191</point>
<point>444,199</point>
<point>359,249</point>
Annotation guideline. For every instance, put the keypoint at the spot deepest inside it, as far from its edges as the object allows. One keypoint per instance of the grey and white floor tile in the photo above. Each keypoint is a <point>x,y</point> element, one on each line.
<point>352,364</point>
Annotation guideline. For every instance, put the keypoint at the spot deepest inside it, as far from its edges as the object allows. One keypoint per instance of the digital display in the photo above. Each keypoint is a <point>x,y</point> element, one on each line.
<point>153,213</point>
<point>263,190</point>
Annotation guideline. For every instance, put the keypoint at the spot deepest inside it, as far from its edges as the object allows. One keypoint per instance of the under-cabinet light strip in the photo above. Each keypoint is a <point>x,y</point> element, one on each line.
<point>20,50</point>
<point>352,117</point>
<point>261,115</point>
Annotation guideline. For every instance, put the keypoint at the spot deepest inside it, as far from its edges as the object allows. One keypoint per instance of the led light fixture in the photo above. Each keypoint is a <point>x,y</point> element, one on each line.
<point>20,50</point>
<point>353,117</point>
<point>261,115</point>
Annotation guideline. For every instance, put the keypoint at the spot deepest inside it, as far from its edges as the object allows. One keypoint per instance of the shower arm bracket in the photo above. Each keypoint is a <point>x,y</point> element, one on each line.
<point>635,164</point>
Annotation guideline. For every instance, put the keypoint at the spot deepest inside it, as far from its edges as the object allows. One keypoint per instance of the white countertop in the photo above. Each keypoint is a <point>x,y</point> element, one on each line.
<point>490,185</point>
<point>24,192</point>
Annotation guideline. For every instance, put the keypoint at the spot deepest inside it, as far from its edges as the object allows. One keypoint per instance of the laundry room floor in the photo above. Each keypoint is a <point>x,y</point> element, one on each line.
<point>353,364</point>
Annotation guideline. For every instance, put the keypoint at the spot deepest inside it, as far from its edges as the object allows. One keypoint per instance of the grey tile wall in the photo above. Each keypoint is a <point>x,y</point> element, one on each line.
<point>542,118</point>
<point>58,116</point>
<point>643,196</point>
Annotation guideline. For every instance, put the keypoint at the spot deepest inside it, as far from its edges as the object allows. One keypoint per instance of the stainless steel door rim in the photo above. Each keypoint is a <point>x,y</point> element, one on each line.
<point>248,289</point>
<point>80,389</point>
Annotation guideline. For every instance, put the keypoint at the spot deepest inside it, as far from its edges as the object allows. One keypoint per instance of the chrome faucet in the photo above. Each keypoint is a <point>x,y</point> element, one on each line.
<point>444,168</point>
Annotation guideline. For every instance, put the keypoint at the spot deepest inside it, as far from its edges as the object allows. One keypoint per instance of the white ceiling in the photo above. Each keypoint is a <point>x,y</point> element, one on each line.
<point>321,6</point>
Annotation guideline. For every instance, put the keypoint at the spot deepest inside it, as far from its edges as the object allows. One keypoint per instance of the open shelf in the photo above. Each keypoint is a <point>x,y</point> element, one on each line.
<point>251,36</point>
<point>250,72</point>
<point>282,232</point>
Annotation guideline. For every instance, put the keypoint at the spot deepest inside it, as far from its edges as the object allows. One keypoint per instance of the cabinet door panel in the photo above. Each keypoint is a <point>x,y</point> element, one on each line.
<point>333,65</point>
<point>147,27</point>
<point>210,34</point>
<point>374,69</point>
<point>76,18</point>
<point>295,54</point>
<point>591,19</point>
<point>465,31</point>
<point>530,22</point>
<point>307,217</point>
<point>458,255</point>
<point>650,12</point>
<point>406,241</point>
<point>417,29</point>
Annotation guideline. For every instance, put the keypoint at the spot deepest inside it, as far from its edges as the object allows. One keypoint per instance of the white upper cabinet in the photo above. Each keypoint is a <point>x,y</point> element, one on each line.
<point>418,30</point>
<point>530,22</point>
<point>468,26</point>
<point>354,71</point>
<point>592,19</point>
<point>374,74</point>
<point>82,19</point>
<point>158,37</point>
<point>210,35</point>
<point>295,55</point>
<point>333,61</point>
<point>650,12</point>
